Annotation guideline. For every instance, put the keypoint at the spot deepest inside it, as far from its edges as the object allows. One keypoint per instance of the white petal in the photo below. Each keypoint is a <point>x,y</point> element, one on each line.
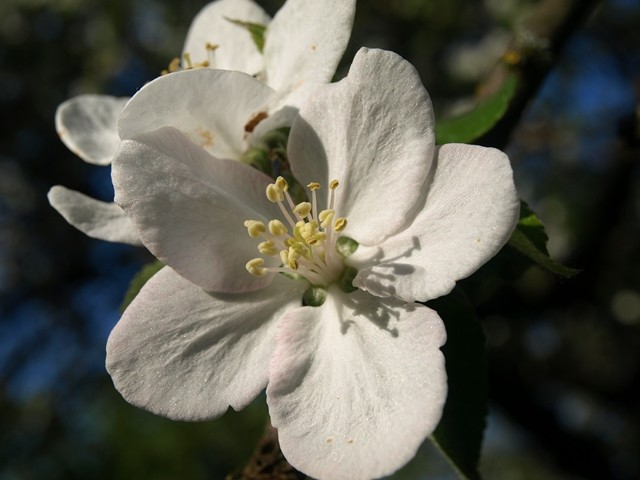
<point>306,40</point>
<point>470,211</point>
<point>236,50</point>
<point>372,131</point>
<point>101,220</point>
<point>186,354</point>
<point>87,124</point>
<point>189,208</point>
<point>356,385</point>
<point>211,107</point>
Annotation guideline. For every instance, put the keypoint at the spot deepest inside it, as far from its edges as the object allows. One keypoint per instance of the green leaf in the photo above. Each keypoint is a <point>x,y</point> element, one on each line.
<point>471,125</point>
<point>255,29</point>
<point>459,434</point>
<point>530,239</point>
<point>138,282</point>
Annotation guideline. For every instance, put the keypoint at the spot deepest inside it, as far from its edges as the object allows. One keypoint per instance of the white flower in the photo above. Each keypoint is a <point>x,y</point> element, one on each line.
<point>357,382</point>
<point>303,45</point>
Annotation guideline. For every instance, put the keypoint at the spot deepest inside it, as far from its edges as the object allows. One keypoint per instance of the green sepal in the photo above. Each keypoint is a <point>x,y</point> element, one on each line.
<point>460,431</point>
<point>530,239</point>
<point>346,246</point>
<point>138,281</point>
<point>258,158</point>
<point>469,126</point>
<point>314,296</point>
<point>255,29</point>
<point>276,139</point>
<point>346,280</point>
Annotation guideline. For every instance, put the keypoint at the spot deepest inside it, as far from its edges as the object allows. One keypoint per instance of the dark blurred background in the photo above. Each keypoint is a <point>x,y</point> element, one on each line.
<point>564,355</point>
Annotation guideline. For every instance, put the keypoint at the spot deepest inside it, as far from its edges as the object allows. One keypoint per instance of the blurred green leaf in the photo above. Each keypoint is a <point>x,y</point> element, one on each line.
<point>138,282</point>
<point>471,125</point>
<point>530,239</point>
<point>255,29</point>
<point>459,434</point>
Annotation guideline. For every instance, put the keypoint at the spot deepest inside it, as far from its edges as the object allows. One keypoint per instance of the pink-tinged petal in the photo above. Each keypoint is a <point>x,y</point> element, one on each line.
<point>87,124</point>
<point>306,40</point>
<point>236,49</point>
<point>101,220</point>
<point>189,208</point>
<point>372,131</point>
<point>216,109</point>
<point>186,354</point>
<point>469,213</point>
<point>356,385</point>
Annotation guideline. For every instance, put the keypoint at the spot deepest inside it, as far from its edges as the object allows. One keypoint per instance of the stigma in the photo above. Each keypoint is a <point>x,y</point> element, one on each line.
<point>303,239</point>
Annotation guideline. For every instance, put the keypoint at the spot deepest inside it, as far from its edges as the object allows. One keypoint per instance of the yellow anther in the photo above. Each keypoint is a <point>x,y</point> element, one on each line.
<point>211,46</point>
<point>292,258</point>
<point>267,248</point>
<point>174,65</point>
<point>307,231</point>
<point>302,209</point>
<point>282,184</point>
<point>340,224</point>
<point>297,250</point>
<point>325,217</point>
<point>277,228</point>
<point>255,268</point>
<point>284,257</point>
<point>187,60</point>
<point>255,228</point>
<point>334,184</point>
<point>203,64</point>
<point>316,238</point>
<point>313,186</point>
<point>274,193</point>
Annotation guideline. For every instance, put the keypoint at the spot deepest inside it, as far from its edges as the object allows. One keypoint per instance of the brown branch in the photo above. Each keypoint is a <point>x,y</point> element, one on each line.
<point>267,462</point>
<point>533,52</point>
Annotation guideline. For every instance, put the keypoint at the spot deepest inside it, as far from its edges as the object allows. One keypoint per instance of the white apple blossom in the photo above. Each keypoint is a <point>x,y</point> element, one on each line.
<point>354,377</point>
<point>302,45</point>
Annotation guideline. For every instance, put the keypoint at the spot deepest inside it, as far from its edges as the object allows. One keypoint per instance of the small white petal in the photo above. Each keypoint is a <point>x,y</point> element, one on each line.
<point>87,124</point>
<point>189,208</point>
<point>236,49</point>
<point>356,385</point>
<point>373,131</point>
<point>183,353</point>
<point>469,212</point>
<point>101,220</point>
<point>212,107</point>
<point>306,40</point>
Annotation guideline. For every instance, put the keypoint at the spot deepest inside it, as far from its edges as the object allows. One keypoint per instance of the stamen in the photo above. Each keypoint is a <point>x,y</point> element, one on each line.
<point>274,193</point>
<point>325,217</point>
<point>340,224</point>
<point>255,228</point>
<point>268,248</point>
<point>254,267</point>
<point>187,59</point>
<point>277,228</point>
<point>309,247</point>
<point>282,184</point>
<point>302,210</point>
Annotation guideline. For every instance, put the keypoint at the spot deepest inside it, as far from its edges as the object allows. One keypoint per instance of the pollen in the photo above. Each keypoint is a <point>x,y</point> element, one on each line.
<point>303,240</point>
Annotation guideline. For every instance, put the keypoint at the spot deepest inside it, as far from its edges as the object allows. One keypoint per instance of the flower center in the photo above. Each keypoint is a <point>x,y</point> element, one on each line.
<point>307,246</point>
